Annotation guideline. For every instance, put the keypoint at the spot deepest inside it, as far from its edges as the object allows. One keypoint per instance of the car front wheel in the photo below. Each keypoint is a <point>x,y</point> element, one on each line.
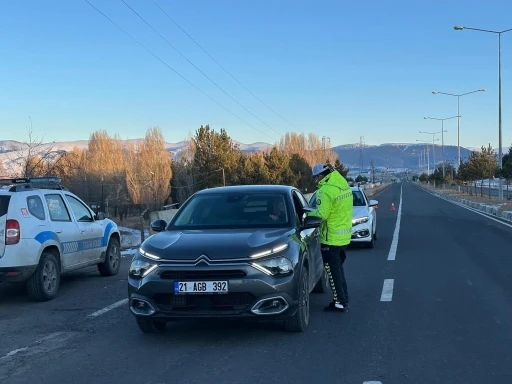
<point>110,267</point>
<point>299,322</point>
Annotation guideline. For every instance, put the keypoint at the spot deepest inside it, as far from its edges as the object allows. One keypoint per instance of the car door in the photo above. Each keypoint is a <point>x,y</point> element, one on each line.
<point>90,230</point>
<point>65,228</point>
<point>311,237</point>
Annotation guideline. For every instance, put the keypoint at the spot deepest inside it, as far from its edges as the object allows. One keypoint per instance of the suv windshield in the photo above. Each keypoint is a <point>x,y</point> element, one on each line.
<point>4,204</point>
<point>233,210</point>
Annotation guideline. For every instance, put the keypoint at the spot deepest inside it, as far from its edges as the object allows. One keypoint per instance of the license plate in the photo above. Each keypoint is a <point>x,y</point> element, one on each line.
<point>198,287</point>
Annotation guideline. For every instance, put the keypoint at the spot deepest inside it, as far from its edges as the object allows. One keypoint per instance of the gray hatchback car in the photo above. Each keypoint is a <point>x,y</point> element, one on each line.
<point>247,252</point>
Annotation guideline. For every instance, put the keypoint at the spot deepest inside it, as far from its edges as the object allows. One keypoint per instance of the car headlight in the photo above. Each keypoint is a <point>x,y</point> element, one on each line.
<point>360,220</point>
<point>277,266</point>
<point>141,268</point>
<point>148,255</point>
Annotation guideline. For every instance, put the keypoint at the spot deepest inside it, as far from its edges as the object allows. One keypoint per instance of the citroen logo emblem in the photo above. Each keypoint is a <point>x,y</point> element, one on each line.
<point>202,259</point>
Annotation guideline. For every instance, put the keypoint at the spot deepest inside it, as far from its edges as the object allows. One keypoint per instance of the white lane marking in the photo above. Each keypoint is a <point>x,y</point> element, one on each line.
<point>387,290</point>
<point>46,344</point>
<point>394,243</point>
<point>109,308</point>
<point>372,382</point>
<point>470,209</point>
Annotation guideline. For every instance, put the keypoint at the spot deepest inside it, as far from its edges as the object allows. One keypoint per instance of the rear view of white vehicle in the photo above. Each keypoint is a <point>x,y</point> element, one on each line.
<point>45,230</point>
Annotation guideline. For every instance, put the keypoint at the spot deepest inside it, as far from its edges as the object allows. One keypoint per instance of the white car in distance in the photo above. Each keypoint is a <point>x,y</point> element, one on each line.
<point>364,217</point>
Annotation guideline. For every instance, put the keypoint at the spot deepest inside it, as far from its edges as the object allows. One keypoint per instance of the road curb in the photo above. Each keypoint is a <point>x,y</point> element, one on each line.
<point>489,210</point>
<point>373,193</point>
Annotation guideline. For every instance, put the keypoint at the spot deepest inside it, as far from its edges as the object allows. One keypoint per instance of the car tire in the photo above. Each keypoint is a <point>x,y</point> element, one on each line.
<point>299,322</point>
<point>147,325</point>
<point>44,283</point>
<point>110,267</point>
<point>322,286</point>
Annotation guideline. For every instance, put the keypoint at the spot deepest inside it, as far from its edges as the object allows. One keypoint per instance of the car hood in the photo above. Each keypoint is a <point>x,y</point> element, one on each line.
<point>359,212</point>
<point>216,244</point>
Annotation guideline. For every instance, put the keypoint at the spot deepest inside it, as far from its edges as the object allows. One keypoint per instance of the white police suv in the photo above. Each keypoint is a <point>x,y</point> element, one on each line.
<point>45,230</point>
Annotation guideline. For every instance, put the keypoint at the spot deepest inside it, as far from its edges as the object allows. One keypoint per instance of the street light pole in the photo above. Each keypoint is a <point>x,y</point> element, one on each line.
<point>458,116</point>
<point>442,135</point>
<point>428,155</point>
<point>433,151</point>
<point>500,154</point>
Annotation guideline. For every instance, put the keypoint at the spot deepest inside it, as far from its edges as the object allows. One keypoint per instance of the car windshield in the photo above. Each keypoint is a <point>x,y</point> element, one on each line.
<point>233,210</point>
<point>357,196</point>
<point>358,199</point>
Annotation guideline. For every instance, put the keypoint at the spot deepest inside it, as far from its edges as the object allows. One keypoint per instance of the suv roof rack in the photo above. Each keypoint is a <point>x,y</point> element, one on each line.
<point>27,183</point>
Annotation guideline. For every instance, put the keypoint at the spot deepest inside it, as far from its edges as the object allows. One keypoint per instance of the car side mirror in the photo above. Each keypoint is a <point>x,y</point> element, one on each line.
<point>158,225</point>
<point>373,203</point>
<point>311,222</point>
<point>99,216</point>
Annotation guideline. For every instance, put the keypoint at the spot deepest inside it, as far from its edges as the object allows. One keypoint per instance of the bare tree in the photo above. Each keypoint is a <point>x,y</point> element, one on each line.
<point>309,147</point>
<point>33,157</point>
<point>148,170</point>
<point>3,171</point>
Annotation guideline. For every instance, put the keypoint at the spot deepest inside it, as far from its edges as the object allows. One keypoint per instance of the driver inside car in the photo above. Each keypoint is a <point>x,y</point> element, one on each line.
<point>278,211</point>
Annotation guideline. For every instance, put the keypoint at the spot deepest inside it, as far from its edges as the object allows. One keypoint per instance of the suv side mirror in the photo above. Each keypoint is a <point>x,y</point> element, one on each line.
<point>311,222</point>
<point>158,225</point>
<point>373,203</point>
<point>99,216</point>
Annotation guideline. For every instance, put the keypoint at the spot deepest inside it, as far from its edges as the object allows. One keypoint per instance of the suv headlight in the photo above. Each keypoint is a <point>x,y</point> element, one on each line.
<point>140,268</point>
<point>277,266</point>
<point>360,220</point>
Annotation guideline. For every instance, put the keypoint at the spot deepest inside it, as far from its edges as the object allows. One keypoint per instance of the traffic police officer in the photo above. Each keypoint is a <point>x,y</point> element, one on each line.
<point>334,204</point>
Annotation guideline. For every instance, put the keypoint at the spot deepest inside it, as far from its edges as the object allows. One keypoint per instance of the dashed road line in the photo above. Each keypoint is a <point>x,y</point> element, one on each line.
<point>394,243</point>
<point>108,308</point>
<point>372,382</point>
<point>387,290</point>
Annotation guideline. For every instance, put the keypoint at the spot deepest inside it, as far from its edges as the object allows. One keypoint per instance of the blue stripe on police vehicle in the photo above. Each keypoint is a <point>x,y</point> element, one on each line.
<point>76,246</point>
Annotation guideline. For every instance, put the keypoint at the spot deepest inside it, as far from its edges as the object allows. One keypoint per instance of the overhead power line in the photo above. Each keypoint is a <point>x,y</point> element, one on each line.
<point>172,69</point>
<point>195,66</point>
<point>222,67</point>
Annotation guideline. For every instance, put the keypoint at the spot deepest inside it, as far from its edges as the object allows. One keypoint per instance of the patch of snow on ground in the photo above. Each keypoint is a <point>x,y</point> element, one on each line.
<point>130,238</point>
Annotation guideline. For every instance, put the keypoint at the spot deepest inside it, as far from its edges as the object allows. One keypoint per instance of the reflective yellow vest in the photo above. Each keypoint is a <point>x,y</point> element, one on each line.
<point>334,203</point>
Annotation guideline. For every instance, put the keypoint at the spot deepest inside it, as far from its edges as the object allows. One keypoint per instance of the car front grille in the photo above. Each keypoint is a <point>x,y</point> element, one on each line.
<point>229,302</point>
<point>201,275</point>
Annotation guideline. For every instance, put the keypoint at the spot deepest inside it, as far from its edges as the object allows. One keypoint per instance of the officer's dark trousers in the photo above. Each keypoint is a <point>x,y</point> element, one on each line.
<point>334,257</point>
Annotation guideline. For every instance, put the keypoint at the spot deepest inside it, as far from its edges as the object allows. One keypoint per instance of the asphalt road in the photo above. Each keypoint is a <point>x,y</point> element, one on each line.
<point>447,318</point>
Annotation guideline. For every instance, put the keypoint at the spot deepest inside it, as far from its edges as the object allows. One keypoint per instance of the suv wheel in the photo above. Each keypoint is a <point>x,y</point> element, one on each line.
<point>323,284</point>
<point>300,321</point>
<point>44,283</point>
<point>150,326</point>
<point>110,266</point>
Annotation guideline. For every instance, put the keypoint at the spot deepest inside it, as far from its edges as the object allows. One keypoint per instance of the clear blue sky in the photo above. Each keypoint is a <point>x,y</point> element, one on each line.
<point>337,68</point>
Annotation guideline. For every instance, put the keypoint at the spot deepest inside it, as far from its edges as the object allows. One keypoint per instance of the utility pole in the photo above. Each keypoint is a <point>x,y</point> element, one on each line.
<point>361,143</point>
<point>223,177</point>
<point>373,170</point>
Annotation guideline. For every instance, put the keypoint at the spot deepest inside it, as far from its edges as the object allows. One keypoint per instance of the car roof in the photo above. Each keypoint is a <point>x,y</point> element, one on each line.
<point>355,188</point>
<point>248,189</point>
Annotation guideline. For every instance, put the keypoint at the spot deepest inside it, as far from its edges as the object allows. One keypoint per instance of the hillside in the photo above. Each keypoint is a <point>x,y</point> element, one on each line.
<point>394,155</point>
